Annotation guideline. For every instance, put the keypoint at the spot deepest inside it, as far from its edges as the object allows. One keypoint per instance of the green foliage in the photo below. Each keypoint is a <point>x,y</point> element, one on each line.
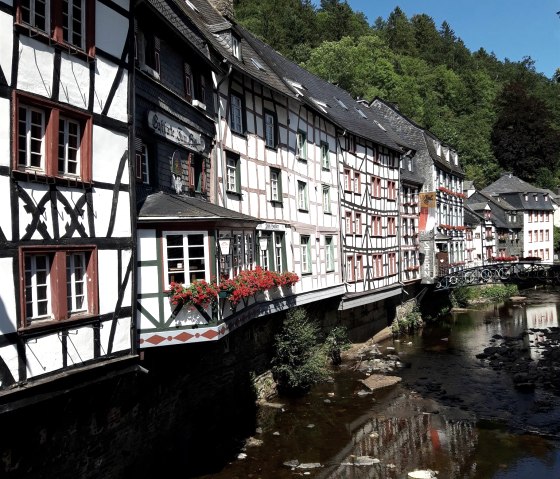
<point>499,292</point>
<point>410,322</point>
<point>460,297</point>
<point>336,342</point>
<point>435,80</point>
<point>556,235</point>
<point>299,360</point>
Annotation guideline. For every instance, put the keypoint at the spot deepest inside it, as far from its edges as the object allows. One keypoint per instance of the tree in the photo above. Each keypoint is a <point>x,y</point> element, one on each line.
<point>523,138</point>
<point>336,19</point>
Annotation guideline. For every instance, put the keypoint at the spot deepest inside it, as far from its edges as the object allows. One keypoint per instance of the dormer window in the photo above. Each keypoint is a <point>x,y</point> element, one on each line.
<point>447,156</point>
<point>321,104</point>
<point>235,47</point>
<point>455,159</point>
<point>340,102</point>
<point>362,114</point>
<point>438,149</point>
<point>546,198</point>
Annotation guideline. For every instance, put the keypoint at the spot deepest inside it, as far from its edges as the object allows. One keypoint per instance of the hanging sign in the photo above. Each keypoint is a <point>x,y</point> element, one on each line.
<point>175,132</point>
<point>428,199</point>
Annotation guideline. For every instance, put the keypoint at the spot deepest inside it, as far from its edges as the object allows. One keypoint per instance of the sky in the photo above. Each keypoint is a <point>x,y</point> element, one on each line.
<point>511,29</point>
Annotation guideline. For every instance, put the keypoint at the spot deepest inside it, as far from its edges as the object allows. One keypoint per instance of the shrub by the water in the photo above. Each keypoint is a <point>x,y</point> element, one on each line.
<point>336,342</point>
<point>299,359</point>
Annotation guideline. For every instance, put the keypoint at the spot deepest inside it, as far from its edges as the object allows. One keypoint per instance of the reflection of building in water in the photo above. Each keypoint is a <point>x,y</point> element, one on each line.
<point>408,438</point>
<point>539,317</point>
<point>542,316</point>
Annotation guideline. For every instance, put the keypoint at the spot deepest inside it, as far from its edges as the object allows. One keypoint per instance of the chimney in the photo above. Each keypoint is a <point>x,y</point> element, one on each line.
<point>224,7</point>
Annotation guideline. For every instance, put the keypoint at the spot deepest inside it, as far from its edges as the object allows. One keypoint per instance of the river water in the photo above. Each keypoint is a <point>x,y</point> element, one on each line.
<point>451,413</point>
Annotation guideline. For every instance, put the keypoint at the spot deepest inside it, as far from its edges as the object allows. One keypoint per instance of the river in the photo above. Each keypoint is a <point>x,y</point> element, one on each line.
<point>451,414</point>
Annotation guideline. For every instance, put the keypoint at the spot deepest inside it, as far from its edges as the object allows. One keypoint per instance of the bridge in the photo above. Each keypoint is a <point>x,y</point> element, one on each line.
<point>515,272</point>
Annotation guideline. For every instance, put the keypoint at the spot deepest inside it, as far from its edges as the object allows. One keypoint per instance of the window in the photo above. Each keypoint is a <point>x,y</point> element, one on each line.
<point>376,226</point>
<point>530,217</point>
<point>236,114</point>
<point>235,47</point>
<point>359,268</point>
<point>301,146</point>
<point>326,199</point>
<point>270,129</point>
<point>547,235</point>
<point>185,256</point>
<point>142,170</point>
<point>274,257</point>
<point>347,180</point>
<point>325,156</point>
<point>232,173</point>
<point>530,236</point>
<point>391,226</point>
<point>196,173</point>
<point>58,283</point>
<point>66,21</point>
<point>358,223</point>
<point>391,190</point>
<point>241,254</point>
<point>392,263</point>
<point>302,196</point>
<point>188,82</point>
<point>350,271</point>
<point>351,144</point>
<point>377,265</point>
<point>149,53</point>
<point>329,253</point>
<point>376,187</point>
<point>305,254</point>
<point>348,223</point>
<point>275,185</point>
<point>51,141</point>
<point>357,183</point>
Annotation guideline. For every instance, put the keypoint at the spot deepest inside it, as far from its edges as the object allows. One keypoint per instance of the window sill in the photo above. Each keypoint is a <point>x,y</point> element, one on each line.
<point>41,326</point>
<point>87,54</point>
<point>271,148</point>
<point>276,202</point>
<point>35,176</point>
<point>327,213</point>
<point>306,273</point>
<point>237,194</point>
<point>238,133</point>
<point>303,210</point>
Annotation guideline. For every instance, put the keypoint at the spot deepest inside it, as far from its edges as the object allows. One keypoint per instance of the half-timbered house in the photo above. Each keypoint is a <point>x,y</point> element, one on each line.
<point>441,199</point>
<point>65,229</point>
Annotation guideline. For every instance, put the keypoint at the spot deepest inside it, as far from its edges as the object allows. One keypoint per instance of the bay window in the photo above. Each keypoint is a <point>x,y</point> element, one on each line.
<point>185,257</point>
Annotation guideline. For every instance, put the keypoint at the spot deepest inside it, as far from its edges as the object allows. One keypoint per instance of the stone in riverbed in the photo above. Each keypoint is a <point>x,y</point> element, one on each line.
<point>379,381</point>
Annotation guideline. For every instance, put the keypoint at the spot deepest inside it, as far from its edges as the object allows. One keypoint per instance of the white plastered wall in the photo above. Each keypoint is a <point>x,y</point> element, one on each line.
<point>6,40</point>
<point>108,148</point>
<point>35,73</point>
<point>74,81</point>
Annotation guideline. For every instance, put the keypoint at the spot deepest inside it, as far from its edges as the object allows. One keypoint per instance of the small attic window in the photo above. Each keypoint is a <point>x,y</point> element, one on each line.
<point>455,159</point>
<point>545,197</point>
<point>321,104</point>
<point>258,65</point>
<point>191,6</point>
<point>379,125</point>
<point>438,148</point>
<point>447,155</point>
<point>298,87</point>
<point>235,47</point>
<point>362,114</point>
<point>339,101</point>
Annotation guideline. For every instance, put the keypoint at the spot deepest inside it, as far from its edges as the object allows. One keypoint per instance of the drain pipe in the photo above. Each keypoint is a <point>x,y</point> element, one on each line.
<point>220,151</point>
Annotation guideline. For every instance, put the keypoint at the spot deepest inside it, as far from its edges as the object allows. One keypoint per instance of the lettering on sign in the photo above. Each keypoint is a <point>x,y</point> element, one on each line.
<point>271,227</point>
<point>175,132</point>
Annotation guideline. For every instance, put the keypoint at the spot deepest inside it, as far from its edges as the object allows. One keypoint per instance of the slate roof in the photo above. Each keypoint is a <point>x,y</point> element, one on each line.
<point>178,207</point>
<point>471,217</point>
<point>440,159</point>
<point>499,207</point>
<point>514,190</point>
<point>509,183</point>
<point>189,32</point>
<point>342,109</point>
<point>211,22</point>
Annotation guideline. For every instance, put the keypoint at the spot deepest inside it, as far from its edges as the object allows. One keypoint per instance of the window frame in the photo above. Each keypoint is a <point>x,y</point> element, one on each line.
<point>325,156</point>
<point>278,182</point>
<point>326,199</point>
<point>236,173</point>
<point>236,126</point>
<point>53,114</point>
<point>329,254</point>
<point>54,28</point>
<point>302,196</point>
<point>301,145</point>
<point>57,283</point>
<point>183,270</point>
<point>270,129</point>
<point>305,252</point>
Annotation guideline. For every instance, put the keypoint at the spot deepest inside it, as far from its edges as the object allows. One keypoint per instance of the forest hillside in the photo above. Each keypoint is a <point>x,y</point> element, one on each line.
<point>498,115</point>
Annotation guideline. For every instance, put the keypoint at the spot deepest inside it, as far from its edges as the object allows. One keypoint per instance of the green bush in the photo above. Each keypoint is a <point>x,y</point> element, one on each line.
<point>460,297</point>
<point>299,359</point>
<point>408,323</point>
<point>499,292</point>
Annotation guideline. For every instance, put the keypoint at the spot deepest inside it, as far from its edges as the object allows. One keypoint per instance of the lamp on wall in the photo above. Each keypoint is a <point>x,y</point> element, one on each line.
<point>263,243</point>
<point>225,245</point>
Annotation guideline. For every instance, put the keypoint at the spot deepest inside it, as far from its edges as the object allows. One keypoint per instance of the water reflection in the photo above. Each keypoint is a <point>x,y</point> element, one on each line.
<point>452,413</point>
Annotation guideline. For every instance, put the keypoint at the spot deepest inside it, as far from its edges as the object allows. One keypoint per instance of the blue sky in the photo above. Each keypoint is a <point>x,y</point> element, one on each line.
<point>511,29</point>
